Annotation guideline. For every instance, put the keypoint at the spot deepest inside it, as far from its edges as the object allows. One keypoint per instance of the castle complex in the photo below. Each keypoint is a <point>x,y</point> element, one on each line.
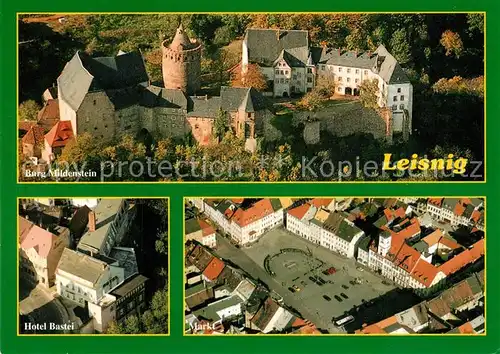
<point>108,97</point>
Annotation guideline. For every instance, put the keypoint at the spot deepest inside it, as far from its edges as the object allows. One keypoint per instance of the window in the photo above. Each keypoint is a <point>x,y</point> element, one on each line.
<point>395,98</point>
<point>282,81</point>
<point>399,90</point>
<point>339,78</point>
<point>339,89</point>
<point>357,71</point>
<point>348,70</point>
<point>287,81</point>
<point>402,98</point>
<point>365,72</point>
<point>277,72</point>
<point>286,72</point>
<point>281,72</point>
<point>401,106</point>
<point>309,70</point>
<point>95,102</point>
<point>295,76</point>
<point>356,80</point>
<point>309,89</point>
<point>249,115</point>
<point>348,79</point>
<point>394,107</point>
<point>322,67</point>
<point>309,79</point>
<point>340,69</point>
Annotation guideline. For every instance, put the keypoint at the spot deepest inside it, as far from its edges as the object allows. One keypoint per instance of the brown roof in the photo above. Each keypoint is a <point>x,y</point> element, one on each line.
<point>299,211</point>
<point>24,126</point>
<point>464,258</point>
<point>34,136</point>
<point>199,257</point>
<point>213,269</point>
<point>265,314</point>
<point>49,115</point>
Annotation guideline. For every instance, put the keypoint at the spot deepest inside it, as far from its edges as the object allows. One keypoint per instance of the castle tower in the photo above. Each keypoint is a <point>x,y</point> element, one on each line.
<point>181,63</point>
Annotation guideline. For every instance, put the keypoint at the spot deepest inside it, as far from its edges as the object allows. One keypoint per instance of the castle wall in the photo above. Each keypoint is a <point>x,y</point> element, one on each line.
<point>202,129</point>
<point>181,69</point>
<point>164,122</point>
<point>128,121</point>
<point>96,116</point>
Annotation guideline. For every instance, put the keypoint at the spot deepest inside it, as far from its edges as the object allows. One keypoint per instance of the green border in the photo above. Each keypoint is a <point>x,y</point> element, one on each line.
<point>176,343</point>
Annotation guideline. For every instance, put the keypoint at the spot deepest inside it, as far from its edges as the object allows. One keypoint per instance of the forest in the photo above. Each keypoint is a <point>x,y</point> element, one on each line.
<point>442,54</point>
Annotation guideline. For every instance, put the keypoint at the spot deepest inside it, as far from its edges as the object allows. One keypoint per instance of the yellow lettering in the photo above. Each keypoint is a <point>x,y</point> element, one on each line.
<point>387,163</point>
<point>402,164</point>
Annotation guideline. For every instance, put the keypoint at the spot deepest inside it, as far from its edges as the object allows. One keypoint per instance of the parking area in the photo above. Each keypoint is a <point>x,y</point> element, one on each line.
<point>324,282</point>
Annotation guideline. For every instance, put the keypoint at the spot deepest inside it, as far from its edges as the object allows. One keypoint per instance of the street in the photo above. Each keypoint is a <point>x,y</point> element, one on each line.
<point>40,306</point>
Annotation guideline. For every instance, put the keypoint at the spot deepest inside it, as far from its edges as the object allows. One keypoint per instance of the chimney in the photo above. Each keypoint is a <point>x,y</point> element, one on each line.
<point>356,53</point>
<point>339,51</point>
<point>206,97</point>
<point>278,34</point>
<point>369,55</point>
<point>91,221</point>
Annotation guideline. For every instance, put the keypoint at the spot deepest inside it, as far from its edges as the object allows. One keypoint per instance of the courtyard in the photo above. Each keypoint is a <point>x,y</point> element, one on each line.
<point>296,270</point>
<point>301,268</point>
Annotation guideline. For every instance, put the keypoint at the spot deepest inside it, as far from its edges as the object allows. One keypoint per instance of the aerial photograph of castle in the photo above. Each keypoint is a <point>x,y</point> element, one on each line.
<point>93,266</point>
<point>313,266</point>
<point>251,97</point>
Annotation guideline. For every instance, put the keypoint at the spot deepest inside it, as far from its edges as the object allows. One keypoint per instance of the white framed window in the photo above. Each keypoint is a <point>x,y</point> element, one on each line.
<point>395,99</point>
<point>348,79</point>
<point>357,71</point>
<point>365,72</point>
<point>402,98</point>
<point>399,90</point>
<point>401,106</point>
<point>340,69</point>
<point>348,70</point>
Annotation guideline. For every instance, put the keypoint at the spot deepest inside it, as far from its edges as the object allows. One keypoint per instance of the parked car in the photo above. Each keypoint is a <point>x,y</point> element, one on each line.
<point>344,295</point>
<point>321,280</point>
<point>360,269</point>
<point>296,288</point>
<point>338,298</point>
<point>345,286</point>
<point>292,290</point>
<point>352,282</point>
<point>327,298</point>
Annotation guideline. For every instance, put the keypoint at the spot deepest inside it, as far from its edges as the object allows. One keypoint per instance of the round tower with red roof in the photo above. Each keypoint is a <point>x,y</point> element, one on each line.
<point>181,63</point>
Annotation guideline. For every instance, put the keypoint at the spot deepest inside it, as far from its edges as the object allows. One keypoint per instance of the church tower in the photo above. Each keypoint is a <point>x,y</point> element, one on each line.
<point>181,63</point>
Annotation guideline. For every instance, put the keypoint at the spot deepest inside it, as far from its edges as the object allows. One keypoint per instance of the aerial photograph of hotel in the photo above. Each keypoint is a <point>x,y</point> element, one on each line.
<point>93,266</point>
<point>249,97</point>
<point>393,265</point>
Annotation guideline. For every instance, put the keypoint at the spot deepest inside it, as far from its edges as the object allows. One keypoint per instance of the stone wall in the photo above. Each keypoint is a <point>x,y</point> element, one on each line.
<point>181,68</point>
<point>96,116</point>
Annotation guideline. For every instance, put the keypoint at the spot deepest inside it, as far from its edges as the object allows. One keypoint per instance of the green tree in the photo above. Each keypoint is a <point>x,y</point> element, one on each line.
<point>368,93</point>
<point>220,125</point>
<point>475,22</point>
<point>400,47</point>
<point>28,110</point>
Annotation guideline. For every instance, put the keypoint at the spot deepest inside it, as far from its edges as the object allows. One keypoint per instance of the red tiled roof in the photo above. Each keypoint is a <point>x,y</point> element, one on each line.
<point>476,215</point>
<point>214,268</point>
<point>205,227</point>
<point>24,227</point>
<point>60,134</point>
<point>321,202</point>
<point>462,259</point>
<point>424,272</point>
<point>466,328</point>
<point>299,211</point>
<point>238,200</point>
<point>256,212</point>
<point>34,136</point>
<point>39,239</point>
<point>449,243</point>
<point>433,237</point>
<point>407,258</point>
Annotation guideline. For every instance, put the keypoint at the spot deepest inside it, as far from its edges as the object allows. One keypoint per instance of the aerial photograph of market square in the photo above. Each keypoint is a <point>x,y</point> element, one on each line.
<point>314,266</point>
<point>251,97</point>
<point>93,266</point>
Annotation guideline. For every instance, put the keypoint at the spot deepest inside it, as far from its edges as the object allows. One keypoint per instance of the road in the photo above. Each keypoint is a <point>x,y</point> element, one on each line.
<point>40,306</point>
<point>226,250</point>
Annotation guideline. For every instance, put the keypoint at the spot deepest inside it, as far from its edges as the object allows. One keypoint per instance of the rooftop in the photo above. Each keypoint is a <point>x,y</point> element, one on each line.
<point>128,285</point>
<point>82,266</point>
